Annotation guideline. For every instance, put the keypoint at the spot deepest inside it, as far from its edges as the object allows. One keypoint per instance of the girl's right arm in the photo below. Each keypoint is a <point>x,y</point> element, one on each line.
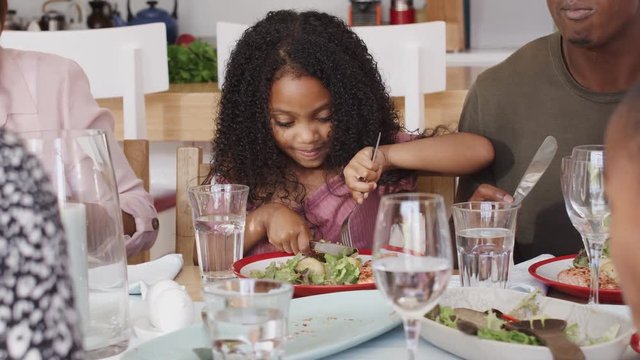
<point>283,227</point>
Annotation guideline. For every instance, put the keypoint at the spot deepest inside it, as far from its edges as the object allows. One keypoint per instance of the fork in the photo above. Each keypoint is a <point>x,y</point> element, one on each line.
<point>345,228</point>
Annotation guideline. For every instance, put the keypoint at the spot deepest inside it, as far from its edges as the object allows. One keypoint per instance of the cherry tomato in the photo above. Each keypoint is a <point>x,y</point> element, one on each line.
<point>635,342</point>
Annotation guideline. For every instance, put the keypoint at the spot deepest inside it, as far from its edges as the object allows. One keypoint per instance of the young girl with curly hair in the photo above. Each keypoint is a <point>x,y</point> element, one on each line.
<point>302,106</point>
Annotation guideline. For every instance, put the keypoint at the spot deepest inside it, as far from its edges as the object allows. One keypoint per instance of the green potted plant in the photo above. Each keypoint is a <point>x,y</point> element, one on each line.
<point>194,62</point>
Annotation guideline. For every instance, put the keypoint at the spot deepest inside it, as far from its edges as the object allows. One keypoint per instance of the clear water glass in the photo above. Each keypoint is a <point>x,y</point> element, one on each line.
<point>247,318</point>
<point>78,163</point>
<point>412,257</point>
<point>484,241</point>
<point>588,209</point>
<point>218,213</point>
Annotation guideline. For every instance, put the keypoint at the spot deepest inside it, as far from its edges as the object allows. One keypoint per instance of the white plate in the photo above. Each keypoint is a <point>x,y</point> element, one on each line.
<point>319,326</point>
<point>547,272</point>
<point>592,322</point>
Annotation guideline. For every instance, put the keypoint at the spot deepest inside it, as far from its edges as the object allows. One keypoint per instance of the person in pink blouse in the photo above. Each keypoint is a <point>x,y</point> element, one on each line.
<point>302,106</point>
<point>47,92</point>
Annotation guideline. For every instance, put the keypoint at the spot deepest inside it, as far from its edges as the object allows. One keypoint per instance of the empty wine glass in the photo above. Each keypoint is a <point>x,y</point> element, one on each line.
<point>587,207</point>
<point>412,256</point>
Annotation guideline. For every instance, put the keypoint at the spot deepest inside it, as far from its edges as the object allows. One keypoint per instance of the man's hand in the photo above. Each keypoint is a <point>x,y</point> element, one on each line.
<point>486,192</point>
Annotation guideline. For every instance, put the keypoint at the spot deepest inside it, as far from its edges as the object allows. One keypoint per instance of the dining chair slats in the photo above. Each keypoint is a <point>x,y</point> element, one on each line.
<point>137,154</point>
<point>189,172</point>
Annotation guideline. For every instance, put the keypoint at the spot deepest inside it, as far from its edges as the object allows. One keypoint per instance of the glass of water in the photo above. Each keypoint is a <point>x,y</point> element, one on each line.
<point>484,240</point>
<point>218,213</point>
<point>247,318</point>
<point>412,257</point>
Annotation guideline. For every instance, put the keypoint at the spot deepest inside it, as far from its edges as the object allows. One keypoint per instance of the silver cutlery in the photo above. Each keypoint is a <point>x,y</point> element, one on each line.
<point>536,169</point>
<point>345,231</point>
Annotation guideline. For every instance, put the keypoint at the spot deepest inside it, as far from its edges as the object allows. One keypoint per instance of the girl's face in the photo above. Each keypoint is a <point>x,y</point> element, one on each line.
<point>300,112</point>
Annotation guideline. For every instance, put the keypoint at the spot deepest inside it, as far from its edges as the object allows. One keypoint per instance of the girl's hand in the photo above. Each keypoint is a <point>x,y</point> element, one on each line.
<point>287,230</point>
<point>362,174</point>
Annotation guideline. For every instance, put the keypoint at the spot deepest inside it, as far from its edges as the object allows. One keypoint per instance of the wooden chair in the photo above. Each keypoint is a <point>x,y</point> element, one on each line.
<point>191,171</point>
<point>137,153</point>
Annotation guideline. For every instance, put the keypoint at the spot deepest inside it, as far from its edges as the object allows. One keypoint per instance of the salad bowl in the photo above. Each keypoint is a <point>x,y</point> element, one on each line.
<point>594,323</point>
<point>243,267</point>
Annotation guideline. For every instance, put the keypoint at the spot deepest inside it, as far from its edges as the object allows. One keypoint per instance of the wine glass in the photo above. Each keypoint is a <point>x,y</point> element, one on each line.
<point>588,209</point>
<point>412,256</point>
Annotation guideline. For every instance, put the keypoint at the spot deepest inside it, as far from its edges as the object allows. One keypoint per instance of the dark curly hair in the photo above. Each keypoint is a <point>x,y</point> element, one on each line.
<point>303,44</point>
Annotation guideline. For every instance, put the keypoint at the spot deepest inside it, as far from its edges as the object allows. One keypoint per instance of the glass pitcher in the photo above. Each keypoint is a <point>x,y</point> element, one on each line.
<point>79,166</point>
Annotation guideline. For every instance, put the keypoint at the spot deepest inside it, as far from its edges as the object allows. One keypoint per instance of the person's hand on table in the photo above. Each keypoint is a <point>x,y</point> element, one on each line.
<point>486,192</point>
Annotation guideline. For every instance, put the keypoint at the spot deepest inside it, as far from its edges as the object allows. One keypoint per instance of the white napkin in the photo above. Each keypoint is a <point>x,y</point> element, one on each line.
<point>519,278</point>
<point>149,273</point>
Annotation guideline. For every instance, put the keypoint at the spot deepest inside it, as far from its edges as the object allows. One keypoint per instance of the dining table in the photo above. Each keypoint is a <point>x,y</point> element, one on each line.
<point>385,346</point>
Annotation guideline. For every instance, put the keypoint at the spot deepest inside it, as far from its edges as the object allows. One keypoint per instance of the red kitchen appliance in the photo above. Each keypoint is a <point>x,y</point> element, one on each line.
<point>365,13</point>
<point>402,12</point>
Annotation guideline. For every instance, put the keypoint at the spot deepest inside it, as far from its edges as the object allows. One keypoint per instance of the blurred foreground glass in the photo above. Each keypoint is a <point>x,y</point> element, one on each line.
<point>587,152</point>
<point>79,166</point>
<point>218,213</point>
<point>484,241</point>
<point>588,208</point>
<point>412,256</point>
<point>247,318</point>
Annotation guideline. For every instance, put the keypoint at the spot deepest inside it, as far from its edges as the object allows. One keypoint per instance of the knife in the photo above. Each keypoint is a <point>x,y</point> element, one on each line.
<point>537,167</point>
<point>323,247</point>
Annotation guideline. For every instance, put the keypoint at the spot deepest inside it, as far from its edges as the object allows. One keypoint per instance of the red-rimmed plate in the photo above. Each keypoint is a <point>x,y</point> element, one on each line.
<point>547,272</point>
<point>243,266</point>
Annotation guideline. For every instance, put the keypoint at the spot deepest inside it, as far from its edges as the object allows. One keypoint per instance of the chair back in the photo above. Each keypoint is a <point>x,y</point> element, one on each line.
<point>125,62</point>
<point>410,58</point>
<point>190,171</point>
<point>137,154</point>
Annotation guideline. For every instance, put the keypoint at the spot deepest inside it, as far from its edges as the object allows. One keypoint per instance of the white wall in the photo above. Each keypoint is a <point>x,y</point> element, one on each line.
<point>494,23</point>
<point>508,23</point>
<point>199,17</point>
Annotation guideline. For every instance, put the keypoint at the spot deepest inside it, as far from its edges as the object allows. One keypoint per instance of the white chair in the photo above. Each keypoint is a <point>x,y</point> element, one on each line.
<point>411,60</point>
<point>125,62</point>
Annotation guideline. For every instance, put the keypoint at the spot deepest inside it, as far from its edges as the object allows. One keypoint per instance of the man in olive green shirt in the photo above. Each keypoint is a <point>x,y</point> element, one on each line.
<point>567,85</point>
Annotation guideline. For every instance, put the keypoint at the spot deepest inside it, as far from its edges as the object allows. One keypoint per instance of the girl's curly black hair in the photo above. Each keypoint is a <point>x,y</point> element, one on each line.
<point>304,44</point>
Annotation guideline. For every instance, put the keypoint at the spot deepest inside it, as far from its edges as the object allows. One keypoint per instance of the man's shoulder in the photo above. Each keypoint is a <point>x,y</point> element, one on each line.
<point>528,60</point>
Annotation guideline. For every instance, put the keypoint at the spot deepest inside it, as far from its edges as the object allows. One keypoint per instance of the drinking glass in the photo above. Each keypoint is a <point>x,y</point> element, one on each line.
<point>412,256</point>
<point>219,213</point>
<point>484,241</point>
<point>79,166</point>
<point>588,209</point>
<point>247,318</point>
<point>587,152</point>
